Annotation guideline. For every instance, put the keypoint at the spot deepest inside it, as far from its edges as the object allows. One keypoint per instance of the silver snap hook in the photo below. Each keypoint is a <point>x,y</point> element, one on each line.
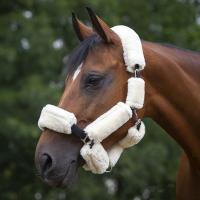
<point>137,67</point>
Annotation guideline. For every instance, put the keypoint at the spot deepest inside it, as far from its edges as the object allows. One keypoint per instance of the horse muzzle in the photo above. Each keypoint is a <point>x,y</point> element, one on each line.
<point>57,158</point>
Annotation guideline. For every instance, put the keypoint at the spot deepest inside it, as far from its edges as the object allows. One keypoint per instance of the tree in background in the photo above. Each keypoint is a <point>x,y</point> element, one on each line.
<point>35,38</point>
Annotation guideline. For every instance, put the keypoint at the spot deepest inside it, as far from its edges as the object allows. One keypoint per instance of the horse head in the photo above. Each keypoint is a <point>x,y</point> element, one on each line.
<point>96,81</point>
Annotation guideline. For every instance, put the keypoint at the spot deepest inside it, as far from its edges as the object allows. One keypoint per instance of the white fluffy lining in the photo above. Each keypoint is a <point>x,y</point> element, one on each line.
<point>136,92</point>
<point>114,154</point>
<point>96,158</point>
<point>56,119</point>
<point>133,137</point>
<point>133,52</point>
<point>109,122</point>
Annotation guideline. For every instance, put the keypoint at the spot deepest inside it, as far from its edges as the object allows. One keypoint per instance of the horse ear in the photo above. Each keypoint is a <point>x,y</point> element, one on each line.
<point>101,27</point>
<point>81,30</point>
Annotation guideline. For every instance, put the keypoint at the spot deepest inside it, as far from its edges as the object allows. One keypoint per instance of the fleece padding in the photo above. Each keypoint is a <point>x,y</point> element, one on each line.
<point>114,154</point>
<point>96,158</point>
<point>136,92</point>
<point>133,137</point>
<point>132,47</point>
<point>109,122</point>
<point>57,119</point>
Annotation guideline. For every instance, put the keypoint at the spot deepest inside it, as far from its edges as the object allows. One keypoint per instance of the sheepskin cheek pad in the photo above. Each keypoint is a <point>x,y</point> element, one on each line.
<point>135,96</point>
<point>109,122</point>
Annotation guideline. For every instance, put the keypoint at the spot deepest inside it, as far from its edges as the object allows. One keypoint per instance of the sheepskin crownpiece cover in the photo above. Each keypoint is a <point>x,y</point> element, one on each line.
<point>97,159</point>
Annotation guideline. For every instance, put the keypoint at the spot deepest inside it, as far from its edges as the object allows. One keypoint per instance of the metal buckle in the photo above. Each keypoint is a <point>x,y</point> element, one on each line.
<point>86,139</point>
<point>135,73</point>
<point>91,143</point>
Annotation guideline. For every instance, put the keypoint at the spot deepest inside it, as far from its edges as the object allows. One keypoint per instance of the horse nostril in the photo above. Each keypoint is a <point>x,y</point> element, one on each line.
<point>73,161</point>
<point>46,163</point>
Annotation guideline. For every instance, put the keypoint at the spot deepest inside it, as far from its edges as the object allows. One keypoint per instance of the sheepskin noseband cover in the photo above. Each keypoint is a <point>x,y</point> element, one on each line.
<point>56,119</point>
<point>97,159</point>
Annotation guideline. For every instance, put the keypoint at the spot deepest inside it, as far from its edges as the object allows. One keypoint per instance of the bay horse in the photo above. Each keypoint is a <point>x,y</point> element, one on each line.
<point>96,80</point>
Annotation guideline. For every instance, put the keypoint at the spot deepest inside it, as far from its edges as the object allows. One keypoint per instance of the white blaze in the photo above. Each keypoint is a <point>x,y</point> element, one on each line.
<point>76,73</point>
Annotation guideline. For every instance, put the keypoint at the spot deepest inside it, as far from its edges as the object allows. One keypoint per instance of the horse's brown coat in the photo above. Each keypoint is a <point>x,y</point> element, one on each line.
<point>173,95</point>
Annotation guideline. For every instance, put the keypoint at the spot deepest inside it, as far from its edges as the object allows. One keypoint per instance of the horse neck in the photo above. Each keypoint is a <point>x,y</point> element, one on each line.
<point>173,96</point>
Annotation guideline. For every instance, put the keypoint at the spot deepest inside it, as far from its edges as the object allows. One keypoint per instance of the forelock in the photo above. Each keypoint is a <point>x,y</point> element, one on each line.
<point>80,53</point>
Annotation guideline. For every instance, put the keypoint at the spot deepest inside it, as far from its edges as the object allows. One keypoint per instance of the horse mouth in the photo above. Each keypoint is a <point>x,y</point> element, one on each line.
<point>62,181</point>
<point>69,178</point>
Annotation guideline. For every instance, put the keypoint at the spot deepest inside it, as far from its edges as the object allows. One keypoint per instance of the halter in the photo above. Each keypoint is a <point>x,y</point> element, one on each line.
<point>97,159</point>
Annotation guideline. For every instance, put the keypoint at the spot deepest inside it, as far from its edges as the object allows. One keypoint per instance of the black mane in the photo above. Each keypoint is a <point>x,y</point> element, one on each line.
<point>81,52</point>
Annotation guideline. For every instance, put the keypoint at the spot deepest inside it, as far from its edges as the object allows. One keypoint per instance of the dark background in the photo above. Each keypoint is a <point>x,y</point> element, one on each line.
<point>35,38</point>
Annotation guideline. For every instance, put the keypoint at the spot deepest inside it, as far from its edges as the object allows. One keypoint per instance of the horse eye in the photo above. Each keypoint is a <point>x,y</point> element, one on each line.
<point>93,81</point>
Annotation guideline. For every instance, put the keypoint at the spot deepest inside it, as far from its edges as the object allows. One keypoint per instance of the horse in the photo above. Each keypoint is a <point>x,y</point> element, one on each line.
<point>96,80</point>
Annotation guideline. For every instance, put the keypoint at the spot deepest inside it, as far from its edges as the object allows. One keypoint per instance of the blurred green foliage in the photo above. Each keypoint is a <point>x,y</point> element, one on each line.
<point>35,38</point>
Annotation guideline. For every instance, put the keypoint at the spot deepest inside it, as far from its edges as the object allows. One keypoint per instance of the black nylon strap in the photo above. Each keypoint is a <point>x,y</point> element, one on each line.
<point>80,133</point>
